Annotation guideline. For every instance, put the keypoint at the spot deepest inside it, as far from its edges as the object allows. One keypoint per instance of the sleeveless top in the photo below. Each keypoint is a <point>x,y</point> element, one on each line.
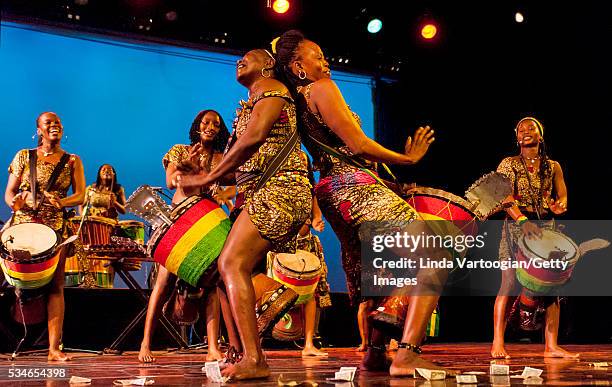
<point>314,126</point>
<point>279,134</point>
<point>524,196</point>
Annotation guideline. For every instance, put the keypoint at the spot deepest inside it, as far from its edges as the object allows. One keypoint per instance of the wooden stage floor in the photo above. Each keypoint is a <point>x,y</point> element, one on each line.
<point>184,369</point>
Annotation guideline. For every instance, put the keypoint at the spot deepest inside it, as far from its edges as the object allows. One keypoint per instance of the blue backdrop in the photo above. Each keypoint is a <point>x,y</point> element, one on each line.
<point>126,103</point>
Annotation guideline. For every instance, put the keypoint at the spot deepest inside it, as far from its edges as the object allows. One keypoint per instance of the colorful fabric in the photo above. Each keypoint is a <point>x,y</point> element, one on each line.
<point>513,168</point>
<point>284,203</point>
<point>47,213</point>
<point>27,275</point>
<point>350,200</point>
<point>312,244</point>
<point>100,202</point>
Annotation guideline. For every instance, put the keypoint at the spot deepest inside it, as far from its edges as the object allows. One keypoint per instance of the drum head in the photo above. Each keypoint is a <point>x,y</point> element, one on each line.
<point>440,194</point>
<point>35,238</point>
<point>552,245</point>
<point>300,262</point>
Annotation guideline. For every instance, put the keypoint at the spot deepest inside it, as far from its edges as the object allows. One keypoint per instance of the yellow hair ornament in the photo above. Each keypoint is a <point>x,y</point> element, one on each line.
<point>538,125</point>
<point>273,44</point>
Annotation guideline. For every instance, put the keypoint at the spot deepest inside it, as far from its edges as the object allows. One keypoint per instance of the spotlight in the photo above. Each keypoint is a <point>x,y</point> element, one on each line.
<point>281,6</point>
<point>518,17</point>
<point>374,26</point>
<point>429,31</point>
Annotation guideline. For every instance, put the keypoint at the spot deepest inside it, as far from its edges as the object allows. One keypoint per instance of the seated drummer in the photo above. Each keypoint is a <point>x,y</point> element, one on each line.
<point>47,206</point>
<point>106,197</point>
<point>534,178</point>
<point>208,135</point>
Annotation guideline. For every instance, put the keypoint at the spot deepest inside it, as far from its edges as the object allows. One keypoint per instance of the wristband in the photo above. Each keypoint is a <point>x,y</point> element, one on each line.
<point>521,219</point>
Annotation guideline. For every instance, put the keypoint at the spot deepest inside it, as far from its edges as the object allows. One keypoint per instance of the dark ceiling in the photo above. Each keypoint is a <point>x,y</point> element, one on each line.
<point>339,26</point>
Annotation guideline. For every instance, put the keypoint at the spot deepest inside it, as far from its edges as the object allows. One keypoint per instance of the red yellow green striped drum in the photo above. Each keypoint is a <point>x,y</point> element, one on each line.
<point>29,255</point>
<point>435,204</point>
<point>189,248</point>
<point>552,245</point>
<point>300,271</point>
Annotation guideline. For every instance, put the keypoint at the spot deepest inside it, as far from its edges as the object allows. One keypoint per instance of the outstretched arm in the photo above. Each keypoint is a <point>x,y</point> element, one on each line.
<point>329,102</point>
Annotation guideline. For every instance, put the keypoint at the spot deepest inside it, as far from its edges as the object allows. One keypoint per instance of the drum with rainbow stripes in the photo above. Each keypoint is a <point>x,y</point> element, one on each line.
<point>29,255</point>
<point>300,271</point>
<point>189,248</point>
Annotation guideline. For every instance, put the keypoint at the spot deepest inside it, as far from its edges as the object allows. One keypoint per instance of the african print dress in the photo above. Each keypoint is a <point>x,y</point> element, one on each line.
<point>47,213</point>
<point>284,203</point>
<point>348,196</point>
<point>531,194</point>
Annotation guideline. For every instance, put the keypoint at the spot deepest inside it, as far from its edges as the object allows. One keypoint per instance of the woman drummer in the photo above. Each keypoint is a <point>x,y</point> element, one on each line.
<point>46,205</point>
<point>273,213</point>
<point>534,178</point>
<point>208,135</point>
<point>106,197</point>
<point>349,195</point>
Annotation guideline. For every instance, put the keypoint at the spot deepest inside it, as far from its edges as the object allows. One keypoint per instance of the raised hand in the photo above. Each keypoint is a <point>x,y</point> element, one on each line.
<point>416,149</point>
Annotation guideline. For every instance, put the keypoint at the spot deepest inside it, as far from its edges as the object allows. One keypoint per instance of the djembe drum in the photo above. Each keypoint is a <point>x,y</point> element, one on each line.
<point>300,271</point>
<point>29,255</point>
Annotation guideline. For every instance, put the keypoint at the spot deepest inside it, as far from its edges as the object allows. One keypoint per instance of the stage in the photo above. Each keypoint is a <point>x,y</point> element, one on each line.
<point>172,368</point>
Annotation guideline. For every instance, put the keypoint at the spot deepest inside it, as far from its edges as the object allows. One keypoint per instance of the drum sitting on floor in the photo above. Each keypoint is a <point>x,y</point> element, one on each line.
<point>103,272</point>
<point>132,229</point>
<point>72,272</point>
<point>189,248</point>
<point>273,300</point>
<point>29,255</point>
<point>300,271</point>
<point>96,230</point>
<point>552,245</point>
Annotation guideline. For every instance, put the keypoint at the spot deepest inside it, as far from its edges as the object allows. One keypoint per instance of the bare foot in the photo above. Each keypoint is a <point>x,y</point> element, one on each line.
<point>362,348</point>
<point>313,351</point>
<point>214,354</point>
<point>57,355</point>
<point>557,351</point>
<point>406,361</point>
<point>375,360</point>
<point>498,351</point>
<point>247,369</point>
<point>145,355</point>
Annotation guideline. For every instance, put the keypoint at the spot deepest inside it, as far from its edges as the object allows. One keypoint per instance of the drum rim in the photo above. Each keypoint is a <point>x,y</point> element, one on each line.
<point>316,271</point>
<point>523,246</point>
<point>94,219</point>
<point>37,258</point>
<point>435,193</point>
<point>130,222</point>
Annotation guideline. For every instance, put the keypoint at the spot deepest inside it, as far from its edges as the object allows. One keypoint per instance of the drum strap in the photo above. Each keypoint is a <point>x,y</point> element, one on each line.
<point>52,179</point>
<point>279,159</point>
<point>33,158</point>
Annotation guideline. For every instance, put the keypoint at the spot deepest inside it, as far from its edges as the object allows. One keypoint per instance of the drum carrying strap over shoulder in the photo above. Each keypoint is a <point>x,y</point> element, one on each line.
<point>52,179</point>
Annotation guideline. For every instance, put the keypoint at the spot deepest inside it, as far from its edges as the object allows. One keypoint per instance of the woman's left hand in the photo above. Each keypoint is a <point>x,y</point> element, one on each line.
<point>188,181</point>
<point>54,199</point>
<point>318,224</point>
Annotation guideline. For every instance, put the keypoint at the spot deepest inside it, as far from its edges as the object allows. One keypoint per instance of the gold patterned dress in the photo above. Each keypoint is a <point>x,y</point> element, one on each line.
<point>101,201</point>
<point>531,194</point>
<point>47,213</point>
<point>348,196</point>
<point>284,203</point>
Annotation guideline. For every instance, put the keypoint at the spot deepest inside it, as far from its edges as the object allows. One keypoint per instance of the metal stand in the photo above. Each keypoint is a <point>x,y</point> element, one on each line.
<point>165,323</point>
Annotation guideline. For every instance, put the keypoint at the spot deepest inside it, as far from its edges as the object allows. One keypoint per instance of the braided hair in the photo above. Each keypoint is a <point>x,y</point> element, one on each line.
<point>220,139</point>
<point>285,52</point>
<point>545,171</point>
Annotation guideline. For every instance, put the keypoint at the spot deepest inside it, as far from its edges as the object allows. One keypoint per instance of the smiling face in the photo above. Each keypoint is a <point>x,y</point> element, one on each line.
<point>50,127</point>
<point>528,134</point>
<point>249,68</point>
<point>209,126</point>
<point>310,59</point>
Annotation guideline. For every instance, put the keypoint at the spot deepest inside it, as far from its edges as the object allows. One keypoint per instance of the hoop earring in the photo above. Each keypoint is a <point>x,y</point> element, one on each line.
<point>302,74</point>
<point>265,71</point>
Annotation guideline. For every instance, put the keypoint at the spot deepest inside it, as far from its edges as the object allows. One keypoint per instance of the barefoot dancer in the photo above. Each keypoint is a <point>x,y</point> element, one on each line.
<point>272,214</point>
<point>46,206</point>
<point>208,135</point>
<point>350,196</point>
<point>534,178</point>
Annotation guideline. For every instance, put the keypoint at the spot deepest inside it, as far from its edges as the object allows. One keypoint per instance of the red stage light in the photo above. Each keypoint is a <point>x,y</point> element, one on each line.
<point>429,31</point>
<point>281,6</point>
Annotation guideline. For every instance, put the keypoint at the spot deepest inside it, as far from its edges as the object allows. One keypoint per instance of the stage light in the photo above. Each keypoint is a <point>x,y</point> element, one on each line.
<point>518,17</point>
<point>281,6</point>
<point>429,31</point>
<point>374,26</point>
